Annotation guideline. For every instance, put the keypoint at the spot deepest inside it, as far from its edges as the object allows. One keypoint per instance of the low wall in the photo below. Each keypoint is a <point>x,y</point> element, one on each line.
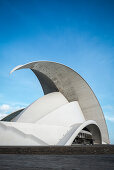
<point>60,150</point>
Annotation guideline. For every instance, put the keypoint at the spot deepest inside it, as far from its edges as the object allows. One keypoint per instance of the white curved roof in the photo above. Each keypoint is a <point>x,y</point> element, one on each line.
<point>66,115</point>
<point>41,107</point>
<point>56,77</point>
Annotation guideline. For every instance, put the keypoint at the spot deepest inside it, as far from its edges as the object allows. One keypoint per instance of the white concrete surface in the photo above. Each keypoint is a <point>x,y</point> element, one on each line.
<point>14,133</point>
<point>66,115</point>
<point>41,107</point>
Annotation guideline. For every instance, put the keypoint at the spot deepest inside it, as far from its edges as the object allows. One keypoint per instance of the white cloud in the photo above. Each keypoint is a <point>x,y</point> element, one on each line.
<point>108,107</point>
<point>109,112</point>
<point>4,108</point>
<point>109,118</point>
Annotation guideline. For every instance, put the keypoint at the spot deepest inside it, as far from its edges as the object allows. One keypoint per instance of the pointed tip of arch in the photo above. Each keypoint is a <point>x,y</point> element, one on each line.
<point>16,68</point>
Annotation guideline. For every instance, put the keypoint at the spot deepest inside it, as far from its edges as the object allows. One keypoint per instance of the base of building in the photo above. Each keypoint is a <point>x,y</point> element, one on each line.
<point>58,150</point>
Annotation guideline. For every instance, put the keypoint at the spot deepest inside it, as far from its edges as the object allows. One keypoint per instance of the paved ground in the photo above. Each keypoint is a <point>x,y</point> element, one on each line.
<point>56,162</point>
<point>96,157</point>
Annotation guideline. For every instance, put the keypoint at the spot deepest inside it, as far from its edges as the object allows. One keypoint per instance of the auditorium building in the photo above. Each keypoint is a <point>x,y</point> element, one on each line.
<point>68,113</point>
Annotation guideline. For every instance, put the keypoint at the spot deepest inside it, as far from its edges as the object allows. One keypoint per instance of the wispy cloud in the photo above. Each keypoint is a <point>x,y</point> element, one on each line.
<point>109,112</point>
<point>5,109</point>
<point>108,107</point>
<point>110,118</point>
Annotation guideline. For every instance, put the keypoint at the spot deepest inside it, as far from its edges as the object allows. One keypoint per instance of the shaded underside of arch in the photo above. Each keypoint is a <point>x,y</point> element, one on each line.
<point>76,129</point>
<point>57,77</point>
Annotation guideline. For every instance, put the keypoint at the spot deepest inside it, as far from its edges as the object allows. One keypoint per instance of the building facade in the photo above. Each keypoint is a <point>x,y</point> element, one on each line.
<point>68,113</point>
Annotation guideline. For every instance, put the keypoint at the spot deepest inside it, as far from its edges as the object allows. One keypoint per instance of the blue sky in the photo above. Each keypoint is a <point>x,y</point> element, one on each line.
<point>77,33</point>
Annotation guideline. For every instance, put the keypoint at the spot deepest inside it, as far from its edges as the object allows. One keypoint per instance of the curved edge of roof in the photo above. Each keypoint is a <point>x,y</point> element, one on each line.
<point>76,132</point>
<point>12,115</point>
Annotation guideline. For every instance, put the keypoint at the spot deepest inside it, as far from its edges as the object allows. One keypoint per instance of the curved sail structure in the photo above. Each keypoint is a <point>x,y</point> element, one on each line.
<point>68,105</point>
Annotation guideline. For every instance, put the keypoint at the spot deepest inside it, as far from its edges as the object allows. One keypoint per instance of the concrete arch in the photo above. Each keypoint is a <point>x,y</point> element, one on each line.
<point>93,128</point>
<point>95,131</point>
<point>72,86</point>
